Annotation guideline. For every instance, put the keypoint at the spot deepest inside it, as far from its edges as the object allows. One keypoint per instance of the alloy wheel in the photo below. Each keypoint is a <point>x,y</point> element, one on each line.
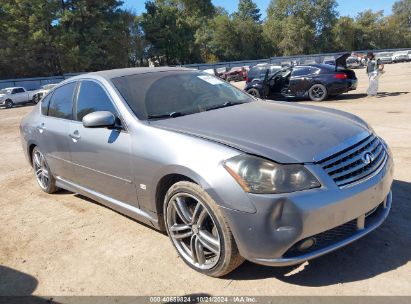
<point>41,169</point>
<point>318,92</point>
<point>193,231</point>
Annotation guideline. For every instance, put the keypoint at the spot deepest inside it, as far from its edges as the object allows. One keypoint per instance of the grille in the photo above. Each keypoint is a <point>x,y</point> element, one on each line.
<point>327,238</point>
<point>335,235</point>
<point>348,166</point>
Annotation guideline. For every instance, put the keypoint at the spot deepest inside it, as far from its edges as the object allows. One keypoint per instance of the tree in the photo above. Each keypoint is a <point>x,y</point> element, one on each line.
<point>91,35</point>
<point>296,26</point>
<point>247,9</point>
<point>346,35</point>
<point>399,23</point>
<point>370,27</point>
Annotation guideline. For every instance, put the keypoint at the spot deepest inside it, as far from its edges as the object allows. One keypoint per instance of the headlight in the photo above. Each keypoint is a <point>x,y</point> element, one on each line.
<point>257,175</point>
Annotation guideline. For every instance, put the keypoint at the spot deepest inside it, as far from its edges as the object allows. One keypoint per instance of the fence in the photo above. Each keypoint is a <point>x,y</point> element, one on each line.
<point>36,83</point>
<point>299,59</point>
<point>33,83</point>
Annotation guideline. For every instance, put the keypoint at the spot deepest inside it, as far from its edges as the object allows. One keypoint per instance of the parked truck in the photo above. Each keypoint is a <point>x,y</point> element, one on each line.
<point>10,97</point>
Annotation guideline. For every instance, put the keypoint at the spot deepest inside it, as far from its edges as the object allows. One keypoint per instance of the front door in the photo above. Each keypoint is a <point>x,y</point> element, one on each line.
<point>101,156</point>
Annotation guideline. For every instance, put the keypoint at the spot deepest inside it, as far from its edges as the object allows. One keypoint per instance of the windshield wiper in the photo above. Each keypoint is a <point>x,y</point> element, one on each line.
<point>224,105</point>
<point>166,115</point>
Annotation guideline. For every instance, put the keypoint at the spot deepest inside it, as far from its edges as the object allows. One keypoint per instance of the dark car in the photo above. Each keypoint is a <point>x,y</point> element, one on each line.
<point>315,81</point>
<point>259,72</point>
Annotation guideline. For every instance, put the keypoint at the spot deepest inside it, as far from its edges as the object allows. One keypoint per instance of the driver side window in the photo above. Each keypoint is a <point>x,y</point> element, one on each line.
<point>91,98</point>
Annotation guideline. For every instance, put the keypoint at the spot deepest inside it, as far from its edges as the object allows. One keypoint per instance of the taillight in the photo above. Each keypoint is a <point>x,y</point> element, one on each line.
<point>340,76</point>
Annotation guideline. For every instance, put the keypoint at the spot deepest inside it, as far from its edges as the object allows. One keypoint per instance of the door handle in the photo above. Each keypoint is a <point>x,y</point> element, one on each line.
<point>41,127</point>
<point>75,135</point>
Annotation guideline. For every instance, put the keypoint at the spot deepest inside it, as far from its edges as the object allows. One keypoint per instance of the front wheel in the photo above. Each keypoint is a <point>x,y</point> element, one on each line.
<point>254,92</point>
<point>9,104</point>
<point>318,92</point>
<point>199,231</point>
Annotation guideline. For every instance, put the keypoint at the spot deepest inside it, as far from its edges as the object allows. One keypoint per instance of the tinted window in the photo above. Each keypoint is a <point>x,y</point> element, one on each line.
<point>314,70</point>
<point>274,70</point>
<point>301,71</point>
<point>61,102</point>
<point>19,90</point>
<point>255,72</point>
<point>45,104</point>
<point>92,98</point>
<point>176,92</point>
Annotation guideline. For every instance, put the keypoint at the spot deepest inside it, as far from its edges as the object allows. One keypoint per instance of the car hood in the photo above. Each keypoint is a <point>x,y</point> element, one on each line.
<point>278,131</point>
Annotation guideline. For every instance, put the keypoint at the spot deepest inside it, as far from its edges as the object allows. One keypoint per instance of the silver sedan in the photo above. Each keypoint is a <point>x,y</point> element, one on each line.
<point>228,176</point>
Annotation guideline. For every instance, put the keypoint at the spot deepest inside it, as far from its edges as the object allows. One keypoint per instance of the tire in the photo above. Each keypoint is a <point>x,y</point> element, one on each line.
<point>42,172</point>
<point>318,92</point>
<point>9,104</point>
<point>198,230</point>
<point>254,92</point>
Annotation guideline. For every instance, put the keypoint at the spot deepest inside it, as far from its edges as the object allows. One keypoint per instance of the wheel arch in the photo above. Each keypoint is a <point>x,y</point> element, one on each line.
<point>169,177</point>
<point>30,148</point>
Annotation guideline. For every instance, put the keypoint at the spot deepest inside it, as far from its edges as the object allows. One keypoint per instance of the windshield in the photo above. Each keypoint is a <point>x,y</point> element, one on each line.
<point>176,93</point>
<point>5,91</point>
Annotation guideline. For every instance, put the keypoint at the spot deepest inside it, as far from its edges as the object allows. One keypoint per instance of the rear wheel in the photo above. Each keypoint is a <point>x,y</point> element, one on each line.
<point>9,104</point>
<point>199,231</point>
<point>318,92</point>
<point>42,171</point>
<point>254,92</point>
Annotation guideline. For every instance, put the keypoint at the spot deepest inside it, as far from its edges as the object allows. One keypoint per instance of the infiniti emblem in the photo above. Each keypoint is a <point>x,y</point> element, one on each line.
<point>367,157</point>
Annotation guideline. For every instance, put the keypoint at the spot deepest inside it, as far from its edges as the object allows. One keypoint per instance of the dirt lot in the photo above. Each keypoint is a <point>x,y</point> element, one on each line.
<point>64,244</point>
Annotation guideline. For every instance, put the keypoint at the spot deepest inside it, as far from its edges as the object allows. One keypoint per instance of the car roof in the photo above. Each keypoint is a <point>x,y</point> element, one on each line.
<point>266,66</point>
<point>111,74</point>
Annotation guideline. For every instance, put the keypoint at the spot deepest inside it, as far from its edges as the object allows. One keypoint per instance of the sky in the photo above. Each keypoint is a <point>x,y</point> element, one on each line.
<point>345,7</point>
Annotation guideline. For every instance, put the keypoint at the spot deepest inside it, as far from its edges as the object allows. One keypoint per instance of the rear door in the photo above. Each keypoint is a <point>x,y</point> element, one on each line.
<point>19,95</point>
<point>301,80</point>
<point>53,130</point>
<point>102,156</point>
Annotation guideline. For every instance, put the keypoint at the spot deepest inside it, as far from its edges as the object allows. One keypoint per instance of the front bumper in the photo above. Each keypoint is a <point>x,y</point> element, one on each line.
<point>270,235</point>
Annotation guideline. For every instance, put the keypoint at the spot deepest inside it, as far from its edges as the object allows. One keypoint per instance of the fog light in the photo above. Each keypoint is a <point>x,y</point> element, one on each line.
<point>306,244</point>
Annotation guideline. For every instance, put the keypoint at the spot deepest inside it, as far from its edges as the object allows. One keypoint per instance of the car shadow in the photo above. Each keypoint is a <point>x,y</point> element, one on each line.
<point>16,287</point>
<point>342,97</point>
<point>348,96</point>
<point>23,105</point>
<point>390,94</point>
<point>383,250</point>
<point>16,283</point>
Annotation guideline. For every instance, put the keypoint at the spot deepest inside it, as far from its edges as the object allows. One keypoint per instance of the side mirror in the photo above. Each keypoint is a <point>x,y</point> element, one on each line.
<point>99,119</point>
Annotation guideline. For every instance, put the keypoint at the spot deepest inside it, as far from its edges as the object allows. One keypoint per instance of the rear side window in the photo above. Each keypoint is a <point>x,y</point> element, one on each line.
<point>254,72</point>
<point>45,104</point>
<point>61,103</point>
<point>301,71</point>
<point>92,98</point>
<point>274,70</point>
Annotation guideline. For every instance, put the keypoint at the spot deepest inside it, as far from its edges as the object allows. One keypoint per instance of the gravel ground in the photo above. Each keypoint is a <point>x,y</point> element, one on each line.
<point>65,244</point>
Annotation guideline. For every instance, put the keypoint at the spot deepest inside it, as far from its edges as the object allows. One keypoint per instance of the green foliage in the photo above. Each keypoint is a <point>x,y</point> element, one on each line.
<point>49,37</point>
<point>247,9</point>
